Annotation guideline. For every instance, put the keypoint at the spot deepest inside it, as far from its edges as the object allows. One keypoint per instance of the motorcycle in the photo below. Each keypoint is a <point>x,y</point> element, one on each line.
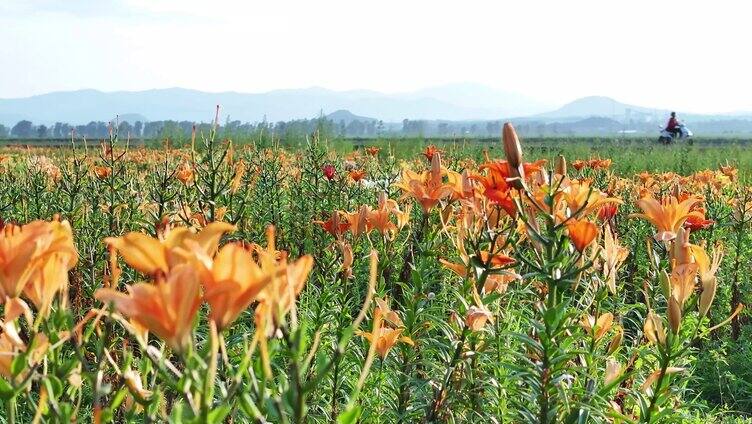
<point>668,137</point>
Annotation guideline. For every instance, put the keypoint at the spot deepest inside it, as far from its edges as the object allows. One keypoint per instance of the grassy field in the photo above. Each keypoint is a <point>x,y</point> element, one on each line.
<point>379,281</point>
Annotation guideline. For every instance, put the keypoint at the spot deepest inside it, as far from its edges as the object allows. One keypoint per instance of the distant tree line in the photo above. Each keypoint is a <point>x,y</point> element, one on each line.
<point>181,130</point>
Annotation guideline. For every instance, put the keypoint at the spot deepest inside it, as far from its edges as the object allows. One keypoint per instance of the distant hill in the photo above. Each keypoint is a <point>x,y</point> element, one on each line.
<point>444,102</point>
<point>599,106</point>
<point>346,116</point>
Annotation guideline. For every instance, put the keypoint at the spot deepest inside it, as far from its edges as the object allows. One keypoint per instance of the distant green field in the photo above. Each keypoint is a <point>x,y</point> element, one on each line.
<point>632,154</point>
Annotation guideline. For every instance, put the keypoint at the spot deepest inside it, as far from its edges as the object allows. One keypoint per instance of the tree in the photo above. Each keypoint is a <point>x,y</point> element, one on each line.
<point>137,127</point>
<point>3,131</point>
<point>22,129</point>
<point>42,131</point>
<point>125,130</point>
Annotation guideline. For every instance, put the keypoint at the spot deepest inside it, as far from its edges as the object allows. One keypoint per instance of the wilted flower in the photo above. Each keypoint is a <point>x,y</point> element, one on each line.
<point>278,297</point>
<point>653,329</point>
<point>613,256</point>
<point>597,328</point>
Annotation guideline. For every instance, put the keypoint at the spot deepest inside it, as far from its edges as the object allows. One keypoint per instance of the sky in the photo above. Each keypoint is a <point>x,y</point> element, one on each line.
<point>686,55</point>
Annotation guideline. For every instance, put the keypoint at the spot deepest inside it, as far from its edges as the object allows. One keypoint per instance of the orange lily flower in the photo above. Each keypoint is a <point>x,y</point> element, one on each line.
<point>336,225</point>
<point>478,314</point>
<point>461,185</point>
<point>608,211</point>
<point>102,172</point>
<point>580,196</point>
<point>385,338</point>
<point>278,297</point>
<point>428,188</point>
<point>166,308</point>
<point>380,219</point>
<point>184,174</point>
<point>582,233</point>
<point>357,174</point>
<point>668,215</point>
<point>373,150</point>
<point>358,220</point>
<point>579,164</point>
<point>495,186</point>
<point>232,281</point>
<point>696,222</point>
<point>150,255</point>
<point>24,249</point>
<point>430,151</point>
<point>730,172</point>
<point>597,164</point>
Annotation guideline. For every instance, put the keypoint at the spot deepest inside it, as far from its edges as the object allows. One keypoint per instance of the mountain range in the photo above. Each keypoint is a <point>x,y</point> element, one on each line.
<point>452,102</point>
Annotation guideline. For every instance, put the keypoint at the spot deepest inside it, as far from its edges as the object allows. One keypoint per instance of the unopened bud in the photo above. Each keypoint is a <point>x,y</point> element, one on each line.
<point>615,343</point>
<point>709,287</point>
<point>674,315</point>
<point>512,148</point>
<point>560,166</point>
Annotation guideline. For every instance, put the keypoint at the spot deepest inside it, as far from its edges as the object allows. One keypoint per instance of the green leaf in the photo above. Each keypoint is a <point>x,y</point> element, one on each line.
<point>54,386</point>
<point>18,364</point>
<point>6,391</point>
<point>350,415</point>
<point>219,413</point>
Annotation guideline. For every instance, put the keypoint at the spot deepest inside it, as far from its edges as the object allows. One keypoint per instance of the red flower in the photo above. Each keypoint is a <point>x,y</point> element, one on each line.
<point>579,164</point>
<point>335,225</point>
<point>329,171</point>
<point>695,223</point>
<point>607,211</point>
<point>430,151</point>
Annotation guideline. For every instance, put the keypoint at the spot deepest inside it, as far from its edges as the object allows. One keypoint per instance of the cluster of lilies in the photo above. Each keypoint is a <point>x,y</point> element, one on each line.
<point>34,262</point>
<point>188,268</point>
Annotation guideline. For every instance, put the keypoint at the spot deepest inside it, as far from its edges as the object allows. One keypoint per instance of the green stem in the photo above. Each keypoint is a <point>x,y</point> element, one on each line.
<point>10,406</point>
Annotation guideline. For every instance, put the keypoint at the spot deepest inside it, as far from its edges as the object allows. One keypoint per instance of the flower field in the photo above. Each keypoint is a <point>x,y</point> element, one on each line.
<point>224,282</point>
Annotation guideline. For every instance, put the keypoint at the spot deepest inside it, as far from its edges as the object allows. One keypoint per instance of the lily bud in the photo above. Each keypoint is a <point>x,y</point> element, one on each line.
<point>674,314</point>
<point>446,214</point>
<point>133,382</point>
<point>708,294</point>
<point>512,148</point>
<point>653,329</point>
<point>513,153</point>
<point>613,371</point>
<point>560,165</point>
<point>615,343</point>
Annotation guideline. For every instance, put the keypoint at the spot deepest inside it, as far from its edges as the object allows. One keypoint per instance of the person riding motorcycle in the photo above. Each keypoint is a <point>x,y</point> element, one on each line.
<point>673,125</point>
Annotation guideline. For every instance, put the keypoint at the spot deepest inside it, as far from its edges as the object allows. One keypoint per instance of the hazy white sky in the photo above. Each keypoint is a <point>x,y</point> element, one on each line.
<point>685,55</point>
